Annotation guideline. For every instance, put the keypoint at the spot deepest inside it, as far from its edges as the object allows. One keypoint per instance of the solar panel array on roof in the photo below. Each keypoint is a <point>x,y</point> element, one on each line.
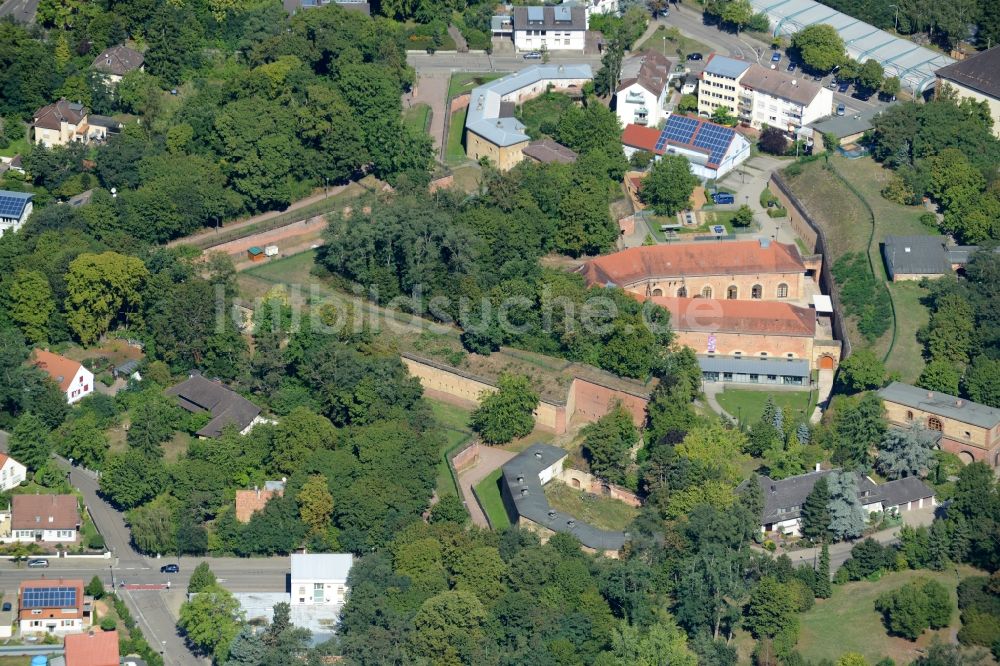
<point>715,139</point>
<point>679,129</point>
<point>536,14</point>
<point>49,597</point>
<point>12,203</point>
<point>562,13</point>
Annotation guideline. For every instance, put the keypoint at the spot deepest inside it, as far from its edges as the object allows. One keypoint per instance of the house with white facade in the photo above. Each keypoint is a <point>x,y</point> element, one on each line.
<point>12,473</point>
<point>712,150</point>
<point>53,606</point>
<point>720,84</point>
<point>320,579</point>
<point>73,378</point>
<point>115,62</point>
<point>595,6</point>
<point>558,28</point>
<point>642,95</point>
<point>65,122</point>
<point>15,209</point>
<point>784,499</point>
<point>44,518</point>
<point>769,97</point>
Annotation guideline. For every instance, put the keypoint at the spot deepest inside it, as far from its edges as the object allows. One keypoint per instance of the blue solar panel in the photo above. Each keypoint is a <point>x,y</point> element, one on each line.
<point>12,203</point>
<point>677,130</point>
<point>49,597</point>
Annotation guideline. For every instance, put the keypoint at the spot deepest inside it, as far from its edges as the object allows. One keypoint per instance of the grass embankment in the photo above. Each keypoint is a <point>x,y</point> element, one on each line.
<point>488,492</point>
<point>748,405</point>
<point>603,513</point>
<point>671,42</point>
<point>454,422</point>
<point>19,147</point>
<point>466,81</point>
<point>540,115</point>
<point>848,622</point>
<point>417,117</point>
<point>454,152</point>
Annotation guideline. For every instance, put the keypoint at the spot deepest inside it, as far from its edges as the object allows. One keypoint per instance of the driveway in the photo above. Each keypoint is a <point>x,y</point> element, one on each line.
<point>432,90</point>
<point>489,460</point>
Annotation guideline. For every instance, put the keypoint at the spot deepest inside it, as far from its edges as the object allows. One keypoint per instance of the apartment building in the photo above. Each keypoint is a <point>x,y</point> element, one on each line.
<point>720,85</point>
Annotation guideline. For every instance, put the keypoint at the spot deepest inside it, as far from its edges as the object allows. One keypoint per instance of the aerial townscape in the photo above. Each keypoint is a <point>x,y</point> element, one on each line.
<point>562,333</point>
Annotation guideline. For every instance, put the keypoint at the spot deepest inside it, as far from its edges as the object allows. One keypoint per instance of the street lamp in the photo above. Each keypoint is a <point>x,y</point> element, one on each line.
<point>895,23</point>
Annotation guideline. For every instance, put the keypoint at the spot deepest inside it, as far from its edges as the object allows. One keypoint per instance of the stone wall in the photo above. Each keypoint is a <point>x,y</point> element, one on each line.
<point>590,401</point>
<point>795,217</point>
<point>720,284</point>
<point>467,457</point>
<point>588,483</point>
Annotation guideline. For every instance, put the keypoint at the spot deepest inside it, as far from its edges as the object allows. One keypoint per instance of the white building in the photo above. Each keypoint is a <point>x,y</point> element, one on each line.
<point>712,150</point>
<point>12,473</point>
<point>595,6</point>
<point>15,209</point>
<point>320,579</point>
<point>642,95</point>
<point>559,28</point>
<point>73,379</point>
<point>44,518</point>
<point>760,96</point>
<point>53,606</point>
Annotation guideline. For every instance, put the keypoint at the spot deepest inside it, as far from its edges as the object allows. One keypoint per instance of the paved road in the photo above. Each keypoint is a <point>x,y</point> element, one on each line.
<point>481,62</point>
<point>22,11</point>
<point>490,459</point>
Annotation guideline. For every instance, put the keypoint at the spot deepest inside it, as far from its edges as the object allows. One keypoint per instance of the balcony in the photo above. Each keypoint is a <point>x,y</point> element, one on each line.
<point>635,98</point>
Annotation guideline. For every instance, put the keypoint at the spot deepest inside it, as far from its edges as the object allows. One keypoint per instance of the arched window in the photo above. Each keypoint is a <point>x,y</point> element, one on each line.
<point>782,290</point>
<point>934,423</point>
<point>763,354</point>
<point>732,293</point>
<point>790,355</point>
<point>706,292</point>
<point>757,291</point>
<point>909,415</point>
<point>657,292</point>
<point>682,292</point>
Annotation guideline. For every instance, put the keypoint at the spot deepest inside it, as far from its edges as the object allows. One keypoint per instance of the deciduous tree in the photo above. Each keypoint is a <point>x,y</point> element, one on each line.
<point>820,46</point>
<point>507,413</point>
<point>29,443</point>
<point>30,304</point>
<point>669,185</point>
<point>101,290</point>
<point>861,371</point>
<point>315,504</point>
<point>608,443</point>
<point>210,621</point>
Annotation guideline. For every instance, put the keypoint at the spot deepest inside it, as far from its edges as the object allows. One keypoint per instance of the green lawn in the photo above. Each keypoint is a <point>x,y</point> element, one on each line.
<point>488,492</point>
<point>454,422</point>
<point>543,112</point>
<point>455,152</point>
<point>466,81</point>
<point>747,405</point>
<point>674,45</point>
<point>417,117</point>
<point>19,147</point>
<point>848,622</point>
<point>290,270</point>
<point>906,356</point>
<point>603,513</point>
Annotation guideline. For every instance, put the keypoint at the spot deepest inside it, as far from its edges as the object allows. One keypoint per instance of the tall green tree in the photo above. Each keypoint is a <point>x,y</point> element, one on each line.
<point>861,371</point>
<point>823,587</point>
<point>210,621</point>
<point>847,519</point>
<point>820,46</point>
<point>29,442</point>
<point>669,185</point>
<point>771,609</point>
<point>981,381</point>
<point>940,375</point>
<point>816,513</point>
<point>608,443</point>
<point>905,453</point>
<point>30,304</point>
<point>201,579</point>
<point>507,413</point>
<point>102,289</point>
<point>315,504</point>
<point>859,427</point>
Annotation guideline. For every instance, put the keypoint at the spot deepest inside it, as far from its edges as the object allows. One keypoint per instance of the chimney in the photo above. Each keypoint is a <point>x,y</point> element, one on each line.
<point>524,492</point>
<point>930,394</point>
<point>959,403</point>
<point>817,467</point>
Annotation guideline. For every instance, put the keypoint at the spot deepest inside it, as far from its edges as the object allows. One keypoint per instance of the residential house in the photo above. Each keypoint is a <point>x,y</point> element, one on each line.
<point>320,579</point>
<point>64,122</point>
<point>94,648</point>
<point>227,407</point>
<point>74,380</point>
<point>491,130</point>
<point>547,151</point>
<point>595,6</point>
<point>976,78</point>
<point>550,28</point>
<point>295,6</point>
<point>521,481</point>
<point>712,150</point>
<point>44,518</point>
<point>642,95</point>
<point>117,61</point>
<point>15,209</point>
<point>967,429</point>
<point>249,502</point>
<point>53,606</point>
<point>919,257</point>
<point>760,96</point>
<point>12,473</point>
<point>784,499</point>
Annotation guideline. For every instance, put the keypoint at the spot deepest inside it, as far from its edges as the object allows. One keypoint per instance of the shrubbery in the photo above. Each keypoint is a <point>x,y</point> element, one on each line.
<point>863,297</point>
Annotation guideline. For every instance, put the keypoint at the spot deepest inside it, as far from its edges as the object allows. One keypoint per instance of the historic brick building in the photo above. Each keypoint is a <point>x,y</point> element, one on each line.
<point>968,429</point>
<point>737,270</point>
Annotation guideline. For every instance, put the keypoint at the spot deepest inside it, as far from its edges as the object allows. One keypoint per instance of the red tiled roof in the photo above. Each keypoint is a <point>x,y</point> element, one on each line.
<point>44,512</point>
<point>56,613</point>
<point>63,111</point>
<point>700,258</point>
<point>725,316</point>
<point>249,502</point>
<point>61,369</point>
<point>95,648</point>
<point>643,138</point>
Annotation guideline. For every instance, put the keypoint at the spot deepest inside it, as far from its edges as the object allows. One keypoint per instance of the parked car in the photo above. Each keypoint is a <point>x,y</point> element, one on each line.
<point>723,198</point>
<point>170,568</point>
<point>695,56</point>
<point>886,97</point>
<point>843,87</point>
<point>818,77</point>
<point>38,564</point>
<point>791,67</point>
<point>532,55</point>
<point>6,606</point>
<point>863,95</point>
<point>776,56</point>
<point>841,109</point>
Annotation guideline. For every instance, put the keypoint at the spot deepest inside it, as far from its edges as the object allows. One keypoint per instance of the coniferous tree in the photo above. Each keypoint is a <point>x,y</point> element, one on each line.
<point>823,587</point>
<point>816,512</point>
<point>847,518</point>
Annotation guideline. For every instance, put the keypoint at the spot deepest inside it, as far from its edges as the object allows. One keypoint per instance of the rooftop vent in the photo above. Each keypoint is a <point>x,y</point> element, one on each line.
<point>794,82</point>
<point>930,394</point>
<point>571,523</point>
<point>524,492</point>
<point>538,454</point>
<point>765,242</point>
<point>520,478</point>
<point>906,249</point>
<point>552,513</point>
<point>959,403</point>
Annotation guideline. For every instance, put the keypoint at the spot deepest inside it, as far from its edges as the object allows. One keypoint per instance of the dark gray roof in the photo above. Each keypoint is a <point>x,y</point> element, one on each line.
<point>520,476</point>
<point>941,404</point>
<point>980,72</point>
<point>559,17</point>
<point>127,368</point>
<point>791,493</point>
<point>197,394</point>
<point>901,491</point>
<point>846,125</point>
<point>118,60</point>
<point>755,366</point>
<point>915,255</point>
<point>104,121</point>
<point>960,254</point>
<point>547,151</point>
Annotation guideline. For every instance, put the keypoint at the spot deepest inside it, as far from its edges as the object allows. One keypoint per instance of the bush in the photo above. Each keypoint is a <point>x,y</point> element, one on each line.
<point>916,606</point>
<point>929,220</point>
<point>773,140</point>
<point>108,623</point>
<point>794,170</point>
<point>767,198</point>
<point>95,542</point>
<point>777,212</point>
